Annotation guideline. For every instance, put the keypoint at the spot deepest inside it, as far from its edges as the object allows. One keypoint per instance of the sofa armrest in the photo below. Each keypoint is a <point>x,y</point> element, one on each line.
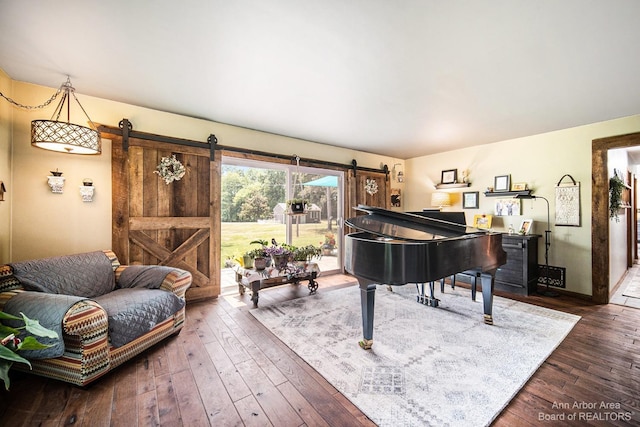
<point>82,330</point>
<point>172,279</point>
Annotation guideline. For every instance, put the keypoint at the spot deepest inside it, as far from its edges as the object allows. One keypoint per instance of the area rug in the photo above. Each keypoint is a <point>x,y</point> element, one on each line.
<point>428,366</point>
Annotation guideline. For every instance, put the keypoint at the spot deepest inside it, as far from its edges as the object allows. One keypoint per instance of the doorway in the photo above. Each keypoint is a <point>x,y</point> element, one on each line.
<point>254,206</point>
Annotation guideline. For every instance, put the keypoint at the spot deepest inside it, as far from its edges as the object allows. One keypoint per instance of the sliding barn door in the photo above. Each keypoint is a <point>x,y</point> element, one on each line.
<point>167,224</point>
<point>358,194</point>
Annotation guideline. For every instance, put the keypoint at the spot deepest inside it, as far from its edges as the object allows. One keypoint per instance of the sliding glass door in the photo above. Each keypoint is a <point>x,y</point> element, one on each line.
<point>254,206</point>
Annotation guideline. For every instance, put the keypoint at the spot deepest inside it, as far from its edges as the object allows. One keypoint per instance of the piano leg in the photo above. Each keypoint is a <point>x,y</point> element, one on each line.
<point>367,302</point>
<point>487,296</point>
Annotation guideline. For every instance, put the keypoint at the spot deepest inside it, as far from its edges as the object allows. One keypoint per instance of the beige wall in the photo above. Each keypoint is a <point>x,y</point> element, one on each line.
<point>46,224</point>
<point>540,161</point>
<point>6,118</point>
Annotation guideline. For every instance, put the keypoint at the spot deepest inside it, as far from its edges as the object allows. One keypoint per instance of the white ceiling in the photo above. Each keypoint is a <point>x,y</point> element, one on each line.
<point>402,78</point>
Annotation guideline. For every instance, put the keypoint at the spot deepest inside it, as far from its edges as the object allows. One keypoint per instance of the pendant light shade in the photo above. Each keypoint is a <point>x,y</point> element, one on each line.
<point>63,136</point>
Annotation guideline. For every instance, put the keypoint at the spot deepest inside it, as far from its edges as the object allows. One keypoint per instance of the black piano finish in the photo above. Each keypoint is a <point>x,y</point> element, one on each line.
<point>396,248</point>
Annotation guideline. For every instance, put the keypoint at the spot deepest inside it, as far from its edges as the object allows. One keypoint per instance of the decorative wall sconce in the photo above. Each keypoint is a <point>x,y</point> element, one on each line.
<point>86,190</point>
<point>397,172</point>
<point>56,182</point>
<point>2,191</point>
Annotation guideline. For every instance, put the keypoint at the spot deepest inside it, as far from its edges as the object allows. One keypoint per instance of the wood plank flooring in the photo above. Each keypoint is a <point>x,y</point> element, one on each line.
<point>226,369</point>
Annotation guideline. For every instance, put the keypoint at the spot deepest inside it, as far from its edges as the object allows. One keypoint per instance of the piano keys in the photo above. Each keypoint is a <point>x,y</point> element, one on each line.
<point>394,248</point>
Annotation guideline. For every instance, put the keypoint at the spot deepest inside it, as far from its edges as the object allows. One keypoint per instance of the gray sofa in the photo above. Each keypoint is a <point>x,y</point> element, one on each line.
<point>104,312</point>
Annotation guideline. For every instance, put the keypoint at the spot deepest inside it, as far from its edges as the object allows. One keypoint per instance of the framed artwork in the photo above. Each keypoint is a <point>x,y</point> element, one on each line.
<point>519,186</point>
<point>502,183</point>
<point>449,176</point>
<point>507,207</point>
<point>568,202</point>
<point>525,227</point>
<point>482,221</point>
<point>396,198</point>
<point>470,200</point>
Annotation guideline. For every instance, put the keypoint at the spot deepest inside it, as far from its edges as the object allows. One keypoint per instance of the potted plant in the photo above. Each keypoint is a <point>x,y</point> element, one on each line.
<point>260,257</point>
<point>297,206</point>
<point>329,243</point>
<point>616,187</point>
<point>306,253</point>
<point>11,344</point>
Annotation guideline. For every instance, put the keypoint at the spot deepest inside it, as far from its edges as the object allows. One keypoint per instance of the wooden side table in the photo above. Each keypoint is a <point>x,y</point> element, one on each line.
<point>294,272</point>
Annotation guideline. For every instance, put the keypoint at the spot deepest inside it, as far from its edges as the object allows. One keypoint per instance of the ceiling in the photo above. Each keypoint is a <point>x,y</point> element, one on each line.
<point>399,78</point>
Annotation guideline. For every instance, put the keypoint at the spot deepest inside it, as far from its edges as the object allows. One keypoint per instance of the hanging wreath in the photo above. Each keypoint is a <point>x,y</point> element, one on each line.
<point>170,169</point>
<point>371,186</point>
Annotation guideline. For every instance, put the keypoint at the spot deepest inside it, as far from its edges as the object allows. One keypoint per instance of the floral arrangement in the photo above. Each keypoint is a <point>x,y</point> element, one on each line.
<point>11,344</point>
<point>329,241</point>
<point>371,186</point>
<point>170,169</point>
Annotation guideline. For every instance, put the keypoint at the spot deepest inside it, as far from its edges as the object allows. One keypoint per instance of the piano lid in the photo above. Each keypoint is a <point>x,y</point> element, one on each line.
<point>408,226</point>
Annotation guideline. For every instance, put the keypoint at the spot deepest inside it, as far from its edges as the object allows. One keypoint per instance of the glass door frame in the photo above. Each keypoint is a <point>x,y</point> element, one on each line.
<point>290,170</point>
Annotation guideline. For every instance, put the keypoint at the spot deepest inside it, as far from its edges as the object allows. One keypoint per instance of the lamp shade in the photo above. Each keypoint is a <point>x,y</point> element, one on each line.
<point>64,137</point>
<point>440,199</point>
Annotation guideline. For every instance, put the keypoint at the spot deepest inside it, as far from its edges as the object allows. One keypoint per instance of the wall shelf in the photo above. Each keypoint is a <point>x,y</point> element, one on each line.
<point>456,185</point>
<point>507,193</point>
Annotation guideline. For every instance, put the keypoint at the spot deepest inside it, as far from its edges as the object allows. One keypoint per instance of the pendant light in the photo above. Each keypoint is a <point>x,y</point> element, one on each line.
<point>64,136</point>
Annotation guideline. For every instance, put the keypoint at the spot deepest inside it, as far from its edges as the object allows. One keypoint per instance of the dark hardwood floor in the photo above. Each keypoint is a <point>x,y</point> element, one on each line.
<point>226,369</point>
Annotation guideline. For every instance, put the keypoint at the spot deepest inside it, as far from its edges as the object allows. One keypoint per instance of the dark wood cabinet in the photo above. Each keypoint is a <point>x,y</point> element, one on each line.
<point>520,274</point>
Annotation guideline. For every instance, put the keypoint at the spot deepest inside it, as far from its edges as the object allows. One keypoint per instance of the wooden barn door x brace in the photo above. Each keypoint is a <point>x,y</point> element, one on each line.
<point>166,223</point>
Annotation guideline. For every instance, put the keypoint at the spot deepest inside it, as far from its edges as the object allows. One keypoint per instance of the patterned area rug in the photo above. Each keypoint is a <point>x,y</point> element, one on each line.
<point>428,366</point>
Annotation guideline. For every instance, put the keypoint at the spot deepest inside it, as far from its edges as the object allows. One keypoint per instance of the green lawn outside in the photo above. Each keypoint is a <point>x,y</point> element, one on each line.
<point>237,236</point>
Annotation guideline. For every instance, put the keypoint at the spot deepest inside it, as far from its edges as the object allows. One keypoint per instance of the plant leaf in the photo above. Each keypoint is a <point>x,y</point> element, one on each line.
<point>34,327</point>
<point>7,330</point>
<point>30,343</point>
<point>6,354</point>
<point>8,316</point>
<point>4,372</point>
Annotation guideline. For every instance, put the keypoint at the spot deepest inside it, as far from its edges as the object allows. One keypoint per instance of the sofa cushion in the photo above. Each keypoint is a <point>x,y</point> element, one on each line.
<point>85,275</point>
<point>134,312</point>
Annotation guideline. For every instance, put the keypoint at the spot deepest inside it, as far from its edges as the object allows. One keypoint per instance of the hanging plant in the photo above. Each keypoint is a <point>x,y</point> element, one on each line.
<point>616,186</point>
<point>170,169</point>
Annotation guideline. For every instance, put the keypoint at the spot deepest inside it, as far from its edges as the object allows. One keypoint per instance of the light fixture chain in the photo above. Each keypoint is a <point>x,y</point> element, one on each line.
<point>30,107</point>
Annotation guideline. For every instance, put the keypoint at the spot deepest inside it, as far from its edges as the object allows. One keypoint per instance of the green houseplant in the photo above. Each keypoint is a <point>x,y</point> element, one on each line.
<point>616,187</point>
<point>11,344</point>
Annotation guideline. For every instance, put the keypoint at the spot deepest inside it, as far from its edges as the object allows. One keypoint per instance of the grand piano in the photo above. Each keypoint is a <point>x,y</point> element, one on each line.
<point>396,248</point>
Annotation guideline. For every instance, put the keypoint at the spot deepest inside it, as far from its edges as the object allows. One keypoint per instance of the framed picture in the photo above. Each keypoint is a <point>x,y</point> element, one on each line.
<point>502,183</point>
<point>450,176</point>
<point>519,186</point>
<point>396,198</point>
<point>526,226</point>
<point>482,221</point>
<point>470,200</point>
<point>507,207</point>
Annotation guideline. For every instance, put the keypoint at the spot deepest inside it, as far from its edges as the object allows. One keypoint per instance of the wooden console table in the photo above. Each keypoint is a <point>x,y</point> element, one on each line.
<point>294,272</point>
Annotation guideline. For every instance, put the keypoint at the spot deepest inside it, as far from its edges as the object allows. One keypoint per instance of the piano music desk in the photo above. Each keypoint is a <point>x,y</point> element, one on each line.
<point>295,272</point>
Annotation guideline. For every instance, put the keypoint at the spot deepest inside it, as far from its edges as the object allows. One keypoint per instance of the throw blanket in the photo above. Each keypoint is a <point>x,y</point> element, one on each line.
<point>49,310</point>
<point>87,275</point>
<point>143,276</point>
